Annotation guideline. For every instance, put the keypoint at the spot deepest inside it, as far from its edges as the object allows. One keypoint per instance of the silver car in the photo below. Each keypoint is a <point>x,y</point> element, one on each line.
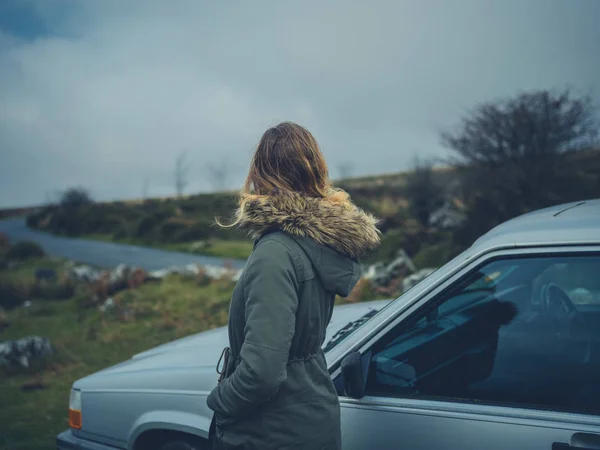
<point>499,349</point>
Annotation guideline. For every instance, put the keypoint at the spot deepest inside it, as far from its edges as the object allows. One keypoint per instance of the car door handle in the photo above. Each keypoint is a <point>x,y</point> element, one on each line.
<point>581,441</point>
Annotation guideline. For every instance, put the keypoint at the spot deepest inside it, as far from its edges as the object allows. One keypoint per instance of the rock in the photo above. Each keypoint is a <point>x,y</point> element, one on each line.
<point>190,270</point>
<point>412,280</point>
<point>220,272</point>
<point>215,272</point>
<point>119,274</point>
<point>137,278</point>
<point>158,274</point>
<point>108,303</point>
<point>210,271</point>
<point>24,352</point>
<point>447,217</point>
<point>84,273</point>
<point>26,304</point>
<point>397,276</point>
<point>236,277</point>
<point>382,275</point>
<point>118,278</point>
<point>372,270</point>
<point>402,255</point>
<point>104,283</point>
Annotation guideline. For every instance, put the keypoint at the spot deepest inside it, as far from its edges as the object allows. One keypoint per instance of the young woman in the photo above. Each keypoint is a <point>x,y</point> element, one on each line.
<point>275,391</point>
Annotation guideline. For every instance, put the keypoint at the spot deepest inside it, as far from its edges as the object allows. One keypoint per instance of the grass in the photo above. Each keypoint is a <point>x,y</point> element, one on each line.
<point>230,249</point>
<point>234,249</point>
<point>86,340</point>
<point>24,271</point>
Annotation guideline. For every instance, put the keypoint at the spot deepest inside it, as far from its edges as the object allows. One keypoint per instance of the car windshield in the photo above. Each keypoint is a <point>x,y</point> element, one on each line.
<point>347,329</point>
<point>482,282</point>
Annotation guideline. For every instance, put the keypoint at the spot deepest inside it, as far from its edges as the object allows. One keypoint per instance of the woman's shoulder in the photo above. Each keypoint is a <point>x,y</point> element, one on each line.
<point>282,239</point>
<point>282,248</point>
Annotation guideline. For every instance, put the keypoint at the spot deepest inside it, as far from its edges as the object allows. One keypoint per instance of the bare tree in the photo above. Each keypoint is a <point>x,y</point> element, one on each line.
<point>181,173</point>
<point>145,189</point>
<point>218,174</point>
<point>513,155</point>
<point>51,198</point>
<point>345,170</point>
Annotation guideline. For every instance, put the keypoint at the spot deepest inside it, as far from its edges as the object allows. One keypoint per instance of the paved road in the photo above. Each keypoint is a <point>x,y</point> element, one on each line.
<point>104,254</point>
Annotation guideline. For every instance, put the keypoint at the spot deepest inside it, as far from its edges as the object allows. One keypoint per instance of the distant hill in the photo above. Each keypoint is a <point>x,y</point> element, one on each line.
<point>188,223</point>
<point>13,212</point>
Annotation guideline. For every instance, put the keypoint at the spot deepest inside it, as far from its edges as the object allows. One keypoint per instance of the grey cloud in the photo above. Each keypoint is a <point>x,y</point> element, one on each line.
<point>120,88</point>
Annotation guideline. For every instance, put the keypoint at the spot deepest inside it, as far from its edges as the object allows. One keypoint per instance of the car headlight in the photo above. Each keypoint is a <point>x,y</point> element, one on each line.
<point>75,409</point>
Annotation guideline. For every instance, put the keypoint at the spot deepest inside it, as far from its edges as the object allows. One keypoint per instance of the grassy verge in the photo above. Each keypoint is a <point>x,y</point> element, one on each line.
<point>86,340</point>
<point>234,249</point>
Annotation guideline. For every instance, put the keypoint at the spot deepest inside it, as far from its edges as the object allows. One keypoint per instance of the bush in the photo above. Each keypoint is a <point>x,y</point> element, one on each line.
<point>25,250</point>
<point>432,256</point>
<point>53,291</point>
<point>75,197</point>
<point>3,258</point>
<point>195,232</point>
<point>69,222</point>
<point>122,232</point>
<point>424,192</point>
<point>171,231</point>
<point>148,224</point>
<point>101,223</point>
<point>36,218</point>
<point>4,241</point>
<point>12,294</point>
<point>392,241</point>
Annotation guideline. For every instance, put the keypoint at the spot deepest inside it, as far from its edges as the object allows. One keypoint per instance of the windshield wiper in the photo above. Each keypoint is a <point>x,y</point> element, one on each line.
<point>347,329</point>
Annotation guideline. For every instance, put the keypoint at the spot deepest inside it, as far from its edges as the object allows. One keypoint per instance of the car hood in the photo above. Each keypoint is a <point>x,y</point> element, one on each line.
<point>204,349</point>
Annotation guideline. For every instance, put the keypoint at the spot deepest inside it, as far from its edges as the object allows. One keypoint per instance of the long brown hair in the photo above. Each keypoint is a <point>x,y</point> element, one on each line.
<point>287,158</point>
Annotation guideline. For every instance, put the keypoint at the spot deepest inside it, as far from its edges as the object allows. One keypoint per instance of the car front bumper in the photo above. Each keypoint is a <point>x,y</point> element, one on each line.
<point>67,441</point>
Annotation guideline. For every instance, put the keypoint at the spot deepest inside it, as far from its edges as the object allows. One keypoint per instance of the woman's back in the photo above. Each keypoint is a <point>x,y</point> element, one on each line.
<point>277,392</point>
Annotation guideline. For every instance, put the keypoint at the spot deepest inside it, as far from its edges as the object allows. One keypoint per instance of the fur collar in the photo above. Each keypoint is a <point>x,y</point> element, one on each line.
<point>334,220</point>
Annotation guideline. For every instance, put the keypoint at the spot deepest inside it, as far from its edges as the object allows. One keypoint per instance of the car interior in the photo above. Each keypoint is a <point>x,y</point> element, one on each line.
<point>518,332</point>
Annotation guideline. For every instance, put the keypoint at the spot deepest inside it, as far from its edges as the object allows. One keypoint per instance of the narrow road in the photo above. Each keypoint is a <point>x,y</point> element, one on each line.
<point>105,254</point>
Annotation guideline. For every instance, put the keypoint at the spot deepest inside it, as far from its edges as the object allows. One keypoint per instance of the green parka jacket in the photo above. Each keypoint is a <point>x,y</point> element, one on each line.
<point>277,392</point>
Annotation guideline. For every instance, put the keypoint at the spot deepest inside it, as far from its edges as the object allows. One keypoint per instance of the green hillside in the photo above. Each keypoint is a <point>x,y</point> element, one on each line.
<point>188,223</point>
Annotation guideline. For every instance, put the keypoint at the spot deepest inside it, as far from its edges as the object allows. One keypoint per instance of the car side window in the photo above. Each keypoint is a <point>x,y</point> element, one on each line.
<point>519,332</point>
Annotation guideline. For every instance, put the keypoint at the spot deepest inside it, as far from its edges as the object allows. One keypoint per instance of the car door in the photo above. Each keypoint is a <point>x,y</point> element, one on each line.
<point>503,357</point>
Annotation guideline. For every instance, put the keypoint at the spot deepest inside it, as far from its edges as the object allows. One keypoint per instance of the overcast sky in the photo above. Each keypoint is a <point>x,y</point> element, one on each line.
<point>105,94</point>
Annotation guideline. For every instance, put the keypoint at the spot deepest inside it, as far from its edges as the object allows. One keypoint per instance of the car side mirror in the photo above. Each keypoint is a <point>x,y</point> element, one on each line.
<point>353,375</point>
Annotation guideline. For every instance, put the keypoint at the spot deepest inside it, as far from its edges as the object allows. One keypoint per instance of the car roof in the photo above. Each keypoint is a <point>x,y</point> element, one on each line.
<point>566,224</point>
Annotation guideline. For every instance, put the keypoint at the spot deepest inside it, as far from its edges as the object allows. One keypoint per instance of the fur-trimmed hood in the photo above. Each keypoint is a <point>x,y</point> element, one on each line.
<point>333,221</point>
